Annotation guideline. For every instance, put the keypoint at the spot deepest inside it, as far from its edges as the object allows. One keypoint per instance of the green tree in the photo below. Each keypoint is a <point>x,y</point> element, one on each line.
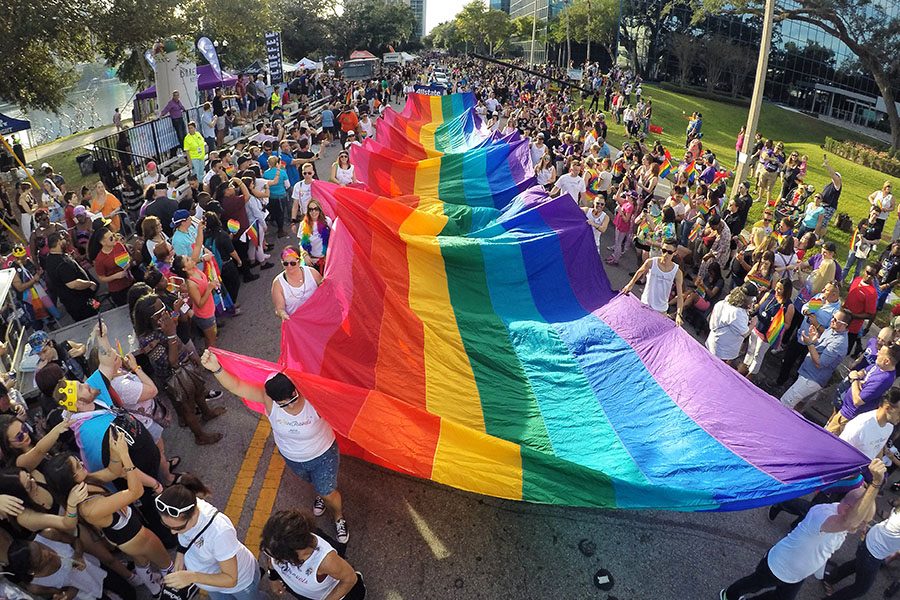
<point>497,28</point>
<point>40,43</point>
<point>306,30</point>
<point>862,25</point>
<point>123,30</point>
<point>446,36</point>
<point>468,23</point>
<point>594,21</point>
<point>371,25</point>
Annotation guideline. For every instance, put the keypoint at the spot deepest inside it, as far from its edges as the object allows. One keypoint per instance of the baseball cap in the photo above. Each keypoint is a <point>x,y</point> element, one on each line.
<point>79,211</point>
<point>181,215</point>
<point>37,341</point>
<point>45,166</point>
<point>750,289</point>
<point>151,166</point>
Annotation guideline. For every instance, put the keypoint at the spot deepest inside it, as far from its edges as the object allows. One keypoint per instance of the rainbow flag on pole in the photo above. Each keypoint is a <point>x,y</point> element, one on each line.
<point>469,335</point>
<point>666,167</point>
<point>776,328</point>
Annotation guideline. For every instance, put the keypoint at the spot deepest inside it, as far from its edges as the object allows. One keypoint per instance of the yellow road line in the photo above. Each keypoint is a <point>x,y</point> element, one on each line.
<point>265,501</point>
<point>238,497</point>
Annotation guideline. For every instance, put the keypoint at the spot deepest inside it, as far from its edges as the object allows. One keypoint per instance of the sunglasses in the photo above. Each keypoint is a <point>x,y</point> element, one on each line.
<point>836,320</point>
<point>668,251</point>
<point>173,511</point>
<point>767,220</point>
<point>23,433</point>
<point>289,401</point>
<point>314,208</point>
<point>289,263</point>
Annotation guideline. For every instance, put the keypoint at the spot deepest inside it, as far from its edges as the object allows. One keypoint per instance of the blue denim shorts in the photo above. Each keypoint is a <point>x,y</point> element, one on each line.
<point>321,471</point>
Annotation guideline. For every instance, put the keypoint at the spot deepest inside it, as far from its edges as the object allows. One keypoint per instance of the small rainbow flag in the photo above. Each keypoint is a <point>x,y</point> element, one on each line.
<point>666,167</point>
<point>695,231</point>
<point>761,282</point>
<point>703,209</point>
<point>815,304</point>
<point>701,290</point>
<point>776,327</point>
<point>234,225</point>
<point>253,233</point>
<point>691,171</point>
<point>122,259</point>
<point>619,167</point>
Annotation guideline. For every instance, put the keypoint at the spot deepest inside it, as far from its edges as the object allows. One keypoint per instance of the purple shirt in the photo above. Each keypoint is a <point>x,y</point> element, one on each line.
<point>174,109</point>
<point>708,175</point>
<point>875,383</point>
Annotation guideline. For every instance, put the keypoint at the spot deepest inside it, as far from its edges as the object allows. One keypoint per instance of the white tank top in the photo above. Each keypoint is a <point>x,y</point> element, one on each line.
<point>294,297</point>
<point>597,219</point>
<point>659,286</point>
<point>302,579</point>
<point>344,176</point>
<point>300,437</point>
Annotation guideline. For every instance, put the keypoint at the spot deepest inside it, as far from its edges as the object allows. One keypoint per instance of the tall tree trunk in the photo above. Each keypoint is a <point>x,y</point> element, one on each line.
<point>587,59</point>
<point>887,94</point>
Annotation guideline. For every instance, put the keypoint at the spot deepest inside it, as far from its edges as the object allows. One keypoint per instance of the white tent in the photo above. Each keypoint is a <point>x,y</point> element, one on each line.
<point>306,63</point>
<point>408,57</point>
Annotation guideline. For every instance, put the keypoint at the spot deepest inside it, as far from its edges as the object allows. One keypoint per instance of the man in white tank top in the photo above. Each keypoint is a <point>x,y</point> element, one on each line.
<point>661,273</point>
<point>304,439</point>
<point>305,563</point>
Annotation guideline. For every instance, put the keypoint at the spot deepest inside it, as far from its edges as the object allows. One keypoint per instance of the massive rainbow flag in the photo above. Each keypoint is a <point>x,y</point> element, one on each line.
<point>466,333</point>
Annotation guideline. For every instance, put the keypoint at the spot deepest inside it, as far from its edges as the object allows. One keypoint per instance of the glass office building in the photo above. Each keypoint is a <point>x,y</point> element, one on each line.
<point>500,5</point>
<point>809,69</point>
<point>545,10</point>
<point>418,8</point>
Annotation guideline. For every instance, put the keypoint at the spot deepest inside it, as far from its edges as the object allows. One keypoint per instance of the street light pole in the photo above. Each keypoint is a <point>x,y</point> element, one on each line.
<point>533,30</point>
<point>759,85</point>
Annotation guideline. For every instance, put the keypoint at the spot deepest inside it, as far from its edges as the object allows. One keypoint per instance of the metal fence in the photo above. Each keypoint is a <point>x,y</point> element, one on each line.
<point>132,148</point>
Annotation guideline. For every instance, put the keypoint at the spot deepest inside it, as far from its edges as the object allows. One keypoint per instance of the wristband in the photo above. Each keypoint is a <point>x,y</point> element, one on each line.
<point>129,469</point>
<point>171,337</point>
<point>217,371</point>
<point>72,515</point>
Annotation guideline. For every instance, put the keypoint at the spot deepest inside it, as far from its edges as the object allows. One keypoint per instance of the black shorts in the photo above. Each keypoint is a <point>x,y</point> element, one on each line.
<point>127,532</point>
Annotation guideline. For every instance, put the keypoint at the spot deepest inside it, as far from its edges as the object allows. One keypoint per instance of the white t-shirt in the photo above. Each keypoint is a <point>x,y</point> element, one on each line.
<point>866,435</point>
<point>217,544</point>
<point>605,181</point>
<point>884,538</point>
<point>728,326</point>
<point>807,548</point>
<point>885,203</point>
<point>572,185</point>
<point>302,193</point>
<point>537,152</point>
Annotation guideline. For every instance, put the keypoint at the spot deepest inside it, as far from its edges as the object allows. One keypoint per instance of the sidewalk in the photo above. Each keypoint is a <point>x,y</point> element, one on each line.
<point>38,153</point>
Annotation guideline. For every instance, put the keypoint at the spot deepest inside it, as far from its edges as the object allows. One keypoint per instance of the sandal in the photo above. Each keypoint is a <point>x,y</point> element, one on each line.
<point>173,463</point>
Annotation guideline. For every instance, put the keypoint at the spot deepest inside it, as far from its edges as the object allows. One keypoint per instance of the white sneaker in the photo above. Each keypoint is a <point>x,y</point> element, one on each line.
<point>340,526</point>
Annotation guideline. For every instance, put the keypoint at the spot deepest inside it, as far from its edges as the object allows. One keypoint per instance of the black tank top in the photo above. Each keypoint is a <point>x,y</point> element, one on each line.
<point>830,195</point>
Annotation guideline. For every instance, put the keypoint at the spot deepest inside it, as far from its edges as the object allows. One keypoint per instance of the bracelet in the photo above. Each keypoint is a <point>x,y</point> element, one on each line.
<point>113,460</point>
<point>72,515</point>
<point>171,337</point>
<point>217,371</point>
<point>129,469</point>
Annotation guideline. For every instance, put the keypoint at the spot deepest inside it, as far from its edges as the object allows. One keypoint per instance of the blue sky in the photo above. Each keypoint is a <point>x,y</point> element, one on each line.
<point>438,11</point>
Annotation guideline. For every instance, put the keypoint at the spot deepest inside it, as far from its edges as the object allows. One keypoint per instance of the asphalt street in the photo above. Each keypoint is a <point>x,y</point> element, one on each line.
<point>414,539</point>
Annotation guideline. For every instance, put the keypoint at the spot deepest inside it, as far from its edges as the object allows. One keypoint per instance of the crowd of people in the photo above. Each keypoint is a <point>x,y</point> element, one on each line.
<point>87,478</point>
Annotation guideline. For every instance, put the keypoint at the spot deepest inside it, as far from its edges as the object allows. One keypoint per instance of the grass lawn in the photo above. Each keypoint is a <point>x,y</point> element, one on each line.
<point>64,164</point>
<point>721,123</point>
